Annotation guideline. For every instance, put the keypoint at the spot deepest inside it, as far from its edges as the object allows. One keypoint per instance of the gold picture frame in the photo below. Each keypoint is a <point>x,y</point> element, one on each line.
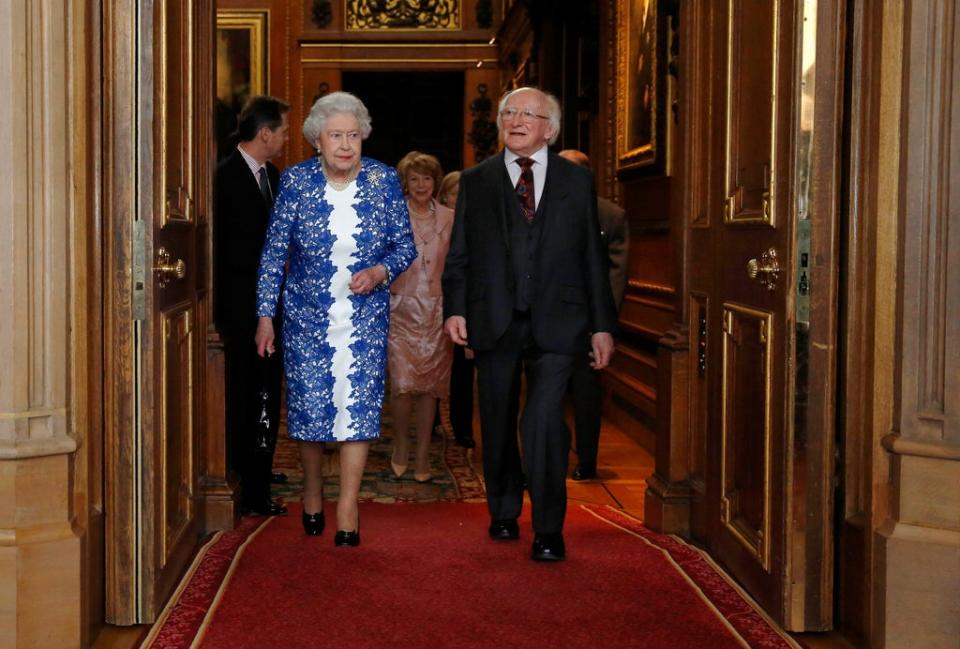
<point>640,118</point>
<point>243,56</point>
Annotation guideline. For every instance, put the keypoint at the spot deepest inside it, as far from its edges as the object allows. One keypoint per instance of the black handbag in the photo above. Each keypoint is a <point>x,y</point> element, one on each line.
<point>265,435</point>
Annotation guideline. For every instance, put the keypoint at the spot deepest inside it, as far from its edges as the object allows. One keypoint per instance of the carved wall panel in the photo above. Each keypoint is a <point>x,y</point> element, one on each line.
<point>932,258</point>
<point>176,427</point>
<point>752,32</point>
<point>745,440</point>
<point>175,118</point>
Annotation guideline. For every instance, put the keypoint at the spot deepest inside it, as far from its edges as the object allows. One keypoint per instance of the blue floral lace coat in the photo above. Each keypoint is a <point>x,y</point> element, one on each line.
<point>299,233</point>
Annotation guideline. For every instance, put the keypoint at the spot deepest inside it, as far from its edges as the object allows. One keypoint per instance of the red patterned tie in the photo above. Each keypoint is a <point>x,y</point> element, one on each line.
<point>524,189</point>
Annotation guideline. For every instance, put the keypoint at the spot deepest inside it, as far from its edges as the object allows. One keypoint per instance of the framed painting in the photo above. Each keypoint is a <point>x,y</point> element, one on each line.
<point>640,91</point>
<point>242,57</point>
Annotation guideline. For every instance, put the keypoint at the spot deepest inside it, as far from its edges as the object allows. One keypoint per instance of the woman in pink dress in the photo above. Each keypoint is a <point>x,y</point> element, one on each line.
<point>419,354</point>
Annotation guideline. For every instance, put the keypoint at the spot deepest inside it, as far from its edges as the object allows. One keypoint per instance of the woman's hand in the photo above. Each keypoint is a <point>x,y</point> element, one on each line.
<point>265,336</point>
<point>368,279</point>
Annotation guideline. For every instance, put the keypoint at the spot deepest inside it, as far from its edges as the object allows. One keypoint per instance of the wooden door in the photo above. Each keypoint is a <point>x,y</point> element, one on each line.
<point>765,513</point>
<point>157,80</point>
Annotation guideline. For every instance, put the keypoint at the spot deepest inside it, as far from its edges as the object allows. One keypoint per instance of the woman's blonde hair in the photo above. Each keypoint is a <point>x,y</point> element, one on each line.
<point>422,163</point>
<point>449,181</point>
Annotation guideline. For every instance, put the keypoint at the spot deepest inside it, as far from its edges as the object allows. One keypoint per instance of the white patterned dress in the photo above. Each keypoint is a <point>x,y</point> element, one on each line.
<point>334,342</point>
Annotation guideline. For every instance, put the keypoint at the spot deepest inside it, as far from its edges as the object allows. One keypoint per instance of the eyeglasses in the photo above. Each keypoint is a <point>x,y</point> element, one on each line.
<point>526,115</point>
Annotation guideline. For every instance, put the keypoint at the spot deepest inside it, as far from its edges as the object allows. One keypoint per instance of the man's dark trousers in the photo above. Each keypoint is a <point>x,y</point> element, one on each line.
<point>461,394</point>
<point>587,395</point>
<point>546,438</point>
<point>246,374</point>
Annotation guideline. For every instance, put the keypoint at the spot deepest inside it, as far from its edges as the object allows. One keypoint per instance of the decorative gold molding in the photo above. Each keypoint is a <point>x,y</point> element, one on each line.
<point>730,210</point>
<point>756,541</point>
<point>179,207</point>
<point>363,15</point>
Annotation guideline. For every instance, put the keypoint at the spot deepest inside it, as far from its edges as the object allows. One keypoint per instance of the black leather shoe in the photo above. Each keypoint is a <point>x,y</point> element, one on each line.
<point>504,530</point>
<point>465,442</point>
<point>313,524</point>
<point>548,547</point>
<point>351,539</point>
<point>270,508</point>
<point>583,472</point>
<point>278,478</point>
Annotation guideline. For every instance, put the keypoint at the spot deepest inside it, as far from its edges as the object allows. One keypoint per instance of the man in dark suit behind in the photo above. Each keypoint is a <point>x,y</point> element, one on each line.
<point>246,183</point>
<point>585,382</point>
<point>526,283</point>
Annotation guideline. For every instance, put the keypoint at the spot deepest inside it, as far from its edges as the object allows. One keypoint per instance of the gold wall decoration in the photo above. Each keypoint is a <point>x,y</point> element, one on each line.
<point>362,15</point>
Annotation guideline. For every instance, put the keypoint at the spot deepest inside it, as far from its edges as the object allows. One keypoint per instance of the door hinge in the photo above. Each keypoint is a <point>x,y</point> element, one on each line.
<point>139,275</point>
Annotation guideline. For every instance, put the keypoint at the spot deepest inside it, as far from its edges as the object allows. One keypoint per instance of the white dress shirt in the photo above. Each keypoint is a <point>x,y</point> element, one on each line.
<point>539,171</point>
<point>255,166</point>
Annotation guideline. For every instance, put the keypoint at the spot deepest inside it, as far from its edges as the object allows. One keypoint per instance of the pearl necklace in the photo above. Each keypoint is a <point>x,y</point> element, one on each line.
<point>342,184</point>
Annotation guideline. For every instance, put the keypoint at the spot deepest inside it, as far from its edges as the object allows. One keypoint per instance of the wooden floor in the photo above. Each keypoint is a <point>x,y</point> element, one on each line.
<point>623,467</point>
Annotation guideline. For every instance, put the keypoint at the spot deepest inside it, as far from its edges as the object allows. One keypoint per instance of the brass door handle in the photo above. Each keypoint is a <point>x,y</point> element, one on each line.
<point>767,269</point>
<point>167,271</point>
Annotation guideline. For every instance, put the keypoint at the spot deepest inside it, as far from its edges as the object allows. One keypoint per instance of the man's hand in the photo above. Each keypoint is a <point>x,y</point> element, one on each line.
<point>366,280</point>
<point>602,344</point>
<point>264,336</point>
<point>456,328</point>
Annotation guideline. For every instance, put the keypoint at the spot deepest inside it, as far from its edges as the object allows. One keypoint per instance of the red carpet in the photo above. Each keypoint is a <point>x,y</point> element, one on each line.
<point>427,576</point>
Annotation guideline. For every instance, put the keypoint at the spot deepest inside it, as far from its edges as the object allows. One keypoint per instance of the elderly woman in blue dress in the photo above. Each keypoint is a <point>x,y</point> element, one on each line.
<point>340,231</point>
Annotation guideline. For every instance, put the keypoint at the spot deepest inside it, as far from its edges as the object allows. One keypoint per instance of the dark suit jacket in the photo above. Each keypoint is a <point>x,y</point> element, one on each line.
<point>616,236</point>
<point>572,295</point>
<point>240,226</point>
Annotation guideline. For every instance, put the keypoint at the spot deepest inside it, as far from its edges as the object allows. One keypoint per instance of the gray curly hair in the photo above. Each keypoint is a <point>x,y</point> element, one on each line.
<point>330,105</point>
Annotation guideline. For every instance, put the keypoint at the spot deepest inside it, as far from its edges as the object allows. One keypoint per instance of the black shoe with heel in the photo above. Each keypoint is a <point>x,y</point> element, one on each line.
<point>313,524</point>
<point>351,539</point>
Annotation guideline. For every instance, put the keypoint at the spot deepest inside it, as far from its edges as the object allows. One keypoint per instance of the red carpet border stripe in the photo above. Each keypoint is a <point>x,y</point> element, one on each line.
<point>732,603</point>
<point>191,604</point>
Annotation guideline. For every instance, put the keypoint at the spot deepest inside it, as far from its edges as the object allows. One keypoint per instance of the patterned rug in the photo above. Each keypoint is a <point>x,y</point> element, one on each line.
<point>454,476</point>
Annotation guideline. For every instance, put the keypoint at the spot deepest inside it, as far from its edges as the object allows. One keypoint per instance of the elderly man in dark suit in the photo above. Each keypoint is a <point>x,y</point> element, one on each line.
<point>246,183</point>
<point>525,284</point>
<point>585,382</point>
